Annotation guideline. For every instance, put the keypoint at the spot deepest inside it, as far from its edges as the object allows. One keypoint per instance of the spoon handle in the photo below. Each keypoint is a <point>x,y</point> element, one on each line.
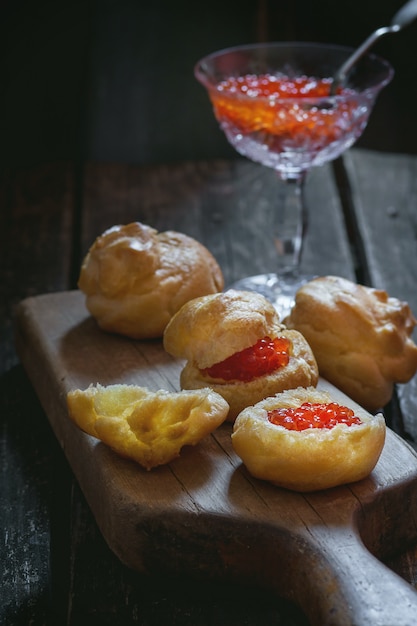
<point>341,74</point>
<point>405,15</point>
<point>402,18</point>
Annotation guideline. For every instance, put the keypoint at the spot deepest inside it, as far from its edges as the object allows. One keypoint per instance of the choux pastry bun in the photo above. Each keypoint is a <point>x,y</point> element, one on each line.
<point>320,445</point>
<point>135,278</point>
<point>361,337</point>
<point>234,343</point>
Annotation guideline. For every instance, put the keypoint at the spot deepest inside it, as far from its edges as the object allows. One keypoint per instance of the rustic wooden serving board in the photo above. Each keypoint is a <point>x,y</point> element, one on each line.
<point>203,514</point>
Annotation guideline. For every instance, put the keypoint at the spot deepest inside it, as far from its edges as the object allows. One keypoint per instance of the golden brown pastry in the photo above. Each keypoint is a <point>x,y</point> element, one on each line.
<point>135,278</point>
<point>311,458</point>
<point>234,343</point>
<point>147,427</point>
<point>361,338</point>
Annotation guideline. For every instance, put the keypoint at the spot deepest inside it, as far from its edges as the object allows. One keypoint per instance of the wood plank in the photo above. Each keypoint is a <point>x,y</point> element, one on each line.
<point>223,204</point>
<point>384,191</point>
<point>203,513</point>
<point>35,239</point>
<point>384,188</point>
<point>35,250</point>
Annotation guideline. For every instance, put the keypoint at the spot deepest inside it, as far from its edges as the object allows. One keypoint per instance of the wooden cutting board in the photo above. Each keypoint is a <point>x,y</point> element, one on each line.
<point>203,514</point>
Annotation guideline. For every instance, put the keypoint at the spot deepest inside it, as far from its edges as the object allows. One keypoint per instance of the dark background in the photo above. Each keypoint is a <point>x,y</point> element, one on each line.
<point>113,80</point>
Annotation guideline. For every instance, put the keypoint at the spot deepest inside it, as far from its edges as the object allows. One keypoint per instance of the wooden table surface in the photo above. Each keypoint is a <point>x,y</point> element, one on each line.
<point>56,567</point>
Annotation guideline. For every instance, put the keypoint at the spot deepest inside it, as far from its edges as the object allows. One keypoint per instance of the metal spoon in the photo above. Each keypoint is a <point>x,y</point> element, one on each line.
<point>402,18</point>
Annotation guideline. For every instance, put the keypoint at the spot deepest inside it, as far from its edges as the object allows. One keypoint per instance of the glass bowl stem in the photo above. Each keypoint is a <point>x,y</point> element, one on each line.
<point>290,223</point>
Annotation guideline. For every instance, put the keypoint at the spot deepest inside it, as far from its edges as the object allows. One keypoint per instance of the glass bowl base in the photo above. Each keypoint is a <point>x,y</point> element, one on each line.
<point>279,290</point>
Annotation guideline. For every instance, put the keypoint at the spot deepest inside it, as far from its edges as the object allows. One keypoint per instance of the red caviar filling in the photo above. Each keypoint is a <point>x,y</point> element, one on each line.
<point>266,356</point>
<point>268,106</point>
<point>313,415</point>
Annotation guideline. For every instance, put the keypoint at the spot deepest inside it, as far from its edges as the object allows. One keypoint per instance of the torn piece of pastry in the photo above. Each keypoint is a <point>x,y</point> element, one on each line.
<point>136,278</point>
<point>145,426</point>
<point>361,338</point>
<point>234,343</point>
<point>304,440</point>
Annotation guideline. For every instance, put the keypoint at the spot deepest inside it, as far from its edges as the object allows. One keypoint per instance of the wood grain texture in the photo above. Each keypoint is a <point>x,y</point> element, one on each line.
<point>203,513</point>
<point>224,204</point>
<point>36,222</point>
<point>36,231</point>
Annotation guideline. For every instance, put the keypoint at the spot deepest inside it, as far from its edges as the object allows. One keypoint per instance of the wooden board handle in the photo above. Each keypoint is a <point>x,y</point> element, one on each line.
<point>325,569</point>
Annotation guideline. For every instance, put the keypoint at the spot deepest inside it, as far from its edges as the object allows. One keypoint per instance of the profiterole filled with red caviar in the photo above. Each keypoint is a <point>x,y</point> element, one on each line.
<point>305,440</point>
<point>234,343</point>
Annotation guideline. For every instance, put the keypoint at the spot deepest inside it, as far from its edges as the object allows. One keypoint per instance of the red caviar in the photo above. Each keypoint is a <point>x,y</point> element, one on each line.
<point>313,415</point>
<point>266,356</point>
<point>266,104</point>
<point>270,86</point>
